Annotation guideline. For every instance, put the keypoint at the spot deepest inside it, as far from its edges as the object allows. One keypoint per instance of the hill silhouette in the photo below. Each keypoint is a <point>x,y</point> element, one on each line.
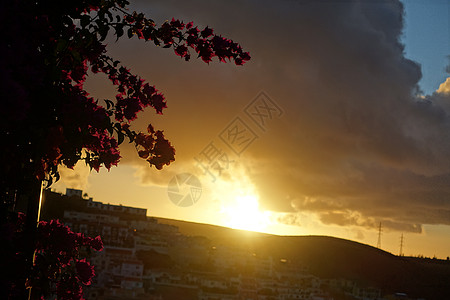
<point>330,257</point>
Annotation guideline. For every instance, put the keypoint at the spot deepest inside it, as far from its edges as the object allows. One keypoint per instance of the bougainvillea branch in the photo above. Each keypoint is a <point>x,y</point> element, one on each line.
<point>58,267</point>
<point>47,52</point>
<point>48,119</point>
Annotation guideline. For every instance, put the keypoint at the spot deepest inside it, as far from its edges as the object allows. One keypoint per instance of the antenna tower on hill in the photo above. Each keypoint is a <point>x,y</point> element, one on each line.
<point>379,237</point>
<point>401,246</point>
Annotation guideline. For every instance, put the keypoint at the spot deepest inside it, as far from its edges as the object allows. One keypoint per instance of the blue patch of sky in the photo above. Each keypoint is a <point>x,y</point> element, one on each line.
<point>427,39</point>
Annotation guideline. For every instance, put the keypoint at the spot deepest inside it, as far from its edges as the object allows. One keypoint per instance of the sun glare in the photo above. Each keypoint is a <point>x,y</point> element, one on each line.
<point>243,212</point>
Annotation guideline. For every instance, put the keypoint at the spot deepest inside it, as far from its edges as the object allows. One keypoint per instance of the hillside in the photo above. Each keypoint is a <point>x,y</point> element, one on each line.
<point>329,257</point>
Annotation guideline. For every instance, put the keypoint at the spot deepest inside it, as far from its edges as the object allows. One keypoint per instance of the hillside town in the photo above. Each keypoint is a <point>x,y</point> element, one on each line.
<point>145,259</point>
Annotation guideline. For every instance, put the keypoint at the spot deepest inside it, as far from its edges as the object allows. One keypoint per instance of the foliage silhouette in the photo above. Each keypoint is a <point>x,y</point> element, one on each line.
<point>48,119</point>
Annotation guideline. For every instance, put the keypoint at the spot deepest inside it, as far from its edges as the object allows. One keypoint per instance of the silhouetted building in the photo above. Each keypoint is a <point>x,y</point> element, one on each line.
<point>74,192</point>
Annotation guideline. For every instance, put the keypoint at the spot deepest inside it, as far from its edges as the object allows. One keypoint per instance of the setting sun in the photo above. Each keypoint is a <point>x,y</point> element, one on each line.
<point>243,213</point>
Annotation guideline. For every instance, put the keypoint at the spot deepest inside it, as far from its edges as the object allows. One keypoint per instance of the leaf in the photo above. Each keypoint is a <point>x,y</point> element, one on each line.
<point>150,129</point>
<point>130,32</point>
<point>76,56</point>
<point>99,23</point>
<point>143,154</point>
<point>101,15</point>
<point>57,176</point>
<point>85,20</point>
<point>88,37</point>
<point>49,182</point>
<point>109,104</point>
<point>110,129</point>
<point>110,16</point>
<point>120,137</point>
<point>103,30</point>
<point>119,31</point>
<point>61,45</point>
<point>66,20</point>
<point>129,134</point>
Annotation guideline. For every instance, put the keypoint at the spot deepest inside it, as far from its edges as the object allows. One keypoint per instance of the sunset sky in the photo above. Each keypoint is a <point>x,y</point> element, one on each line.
<point>354,124</point>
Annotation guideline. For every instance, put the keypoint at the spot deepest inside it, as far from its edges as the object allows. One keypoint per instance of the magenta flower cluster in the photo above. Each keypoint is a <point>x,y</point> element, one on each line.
<point>59,266</point>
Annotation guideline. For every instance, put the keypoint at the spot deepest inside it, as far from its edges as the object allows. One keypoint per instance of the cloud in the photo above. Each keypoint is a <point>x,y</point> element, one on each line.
<point>76,178</point>
<point>444,88</point>
<point>289,219</point>
<point>355,145</point>
<point>358,144</point>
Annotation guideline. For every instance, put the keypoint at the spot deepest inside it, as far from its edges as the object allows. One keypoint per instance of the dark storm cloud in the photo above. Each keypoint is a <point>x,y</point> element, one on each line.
<point>355,145</point>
